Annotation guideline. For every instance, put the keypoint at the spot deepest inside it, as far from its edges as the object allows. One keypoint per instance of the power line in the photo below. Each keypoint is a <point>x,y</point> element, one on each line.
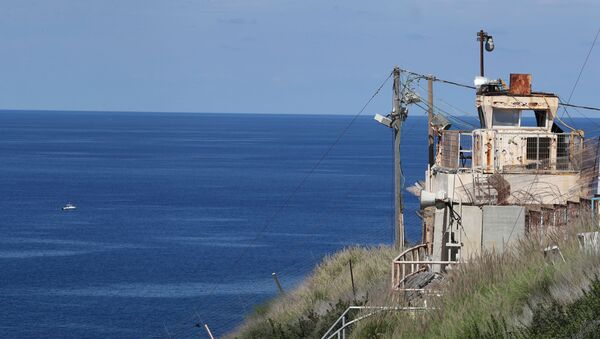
<point>437,79</point>
<point>289,197</point>
<point>473,87</point>
<point>579,106</point>
<point>579,77</point>
<point>583,66</point>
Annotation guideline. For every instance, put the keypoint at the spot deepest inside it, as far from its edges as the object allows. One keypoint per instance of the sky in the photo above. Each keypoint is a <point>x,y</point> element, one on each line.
<point>280,56</point>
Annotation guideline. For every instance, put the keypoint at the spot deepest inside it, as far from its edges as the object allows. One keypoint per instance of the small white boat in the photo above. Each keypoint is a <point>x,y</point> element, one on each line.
<point>69,207</point>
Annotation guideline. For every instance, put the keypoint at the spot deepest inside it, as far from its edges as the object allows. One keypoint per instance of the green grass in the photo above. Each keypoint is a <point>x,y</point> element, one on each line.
<point>496,295</point>
<point>513,294</point>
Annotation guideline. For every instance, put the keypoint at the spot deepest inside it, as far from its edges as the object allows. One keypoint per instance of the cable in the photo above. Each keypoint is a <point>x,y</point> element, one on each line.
<point>579,106</point>
<point>579,75</point>
<point>568,104</point>
<point>583,66</point>
<point>289,197</point>
<point>454,83</point>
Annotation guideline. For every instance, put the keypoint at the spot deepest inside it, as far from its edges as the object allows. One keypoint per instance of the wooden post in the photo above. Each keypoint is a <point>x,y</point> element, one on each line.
<point>428,232</point>
<point>277,283</point>
<point>430,135</point>
<point>352,279</point>
<point>398,116</point>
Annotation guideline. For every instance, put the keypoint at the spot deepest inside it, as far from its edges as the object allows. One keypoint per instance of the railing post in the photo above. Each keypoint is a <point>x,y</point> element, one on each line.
<point>537,160</point>
<point>344,327</point>
<point>403,274</point>
<point>394,274</point>
<point>458,155</point>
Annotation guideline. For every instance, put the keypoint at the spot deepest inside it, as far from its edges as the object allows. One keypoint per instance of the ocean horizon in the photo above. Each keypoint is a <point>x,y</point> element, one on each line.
<point>180,217</point>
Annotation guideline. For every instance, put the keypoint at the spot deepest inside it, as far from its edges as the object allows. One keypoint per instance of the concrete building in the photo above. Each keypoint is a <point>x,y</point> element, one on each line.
<point>517,174</point>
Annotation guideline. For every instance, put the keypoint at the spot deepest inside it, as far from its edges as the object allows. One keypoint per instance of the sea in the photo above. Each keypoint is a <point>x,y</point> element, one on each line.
<point>182,218</point>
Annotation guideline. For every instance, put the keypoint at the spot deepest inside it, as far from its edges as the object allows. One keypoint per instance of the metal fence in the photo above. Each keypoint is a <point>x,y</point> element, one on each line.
<point>536,152</point>
<point>411,262</point>
<point>338,329</point>
<point>455,149</point>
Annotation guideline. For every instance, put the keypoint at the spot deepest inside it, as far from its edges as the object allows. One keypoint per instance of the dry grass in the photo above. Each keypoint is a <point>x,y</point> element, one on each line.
<point>492,294</point>
<point>496,293</point>
<point>329,284</point>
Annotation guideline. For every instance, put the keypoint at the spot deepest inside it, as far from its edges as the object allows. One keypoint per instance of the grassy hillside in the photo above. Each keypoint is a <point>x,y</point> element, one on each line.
<point>313,306</point>
<point>499,295</point>
<point>521,293</point>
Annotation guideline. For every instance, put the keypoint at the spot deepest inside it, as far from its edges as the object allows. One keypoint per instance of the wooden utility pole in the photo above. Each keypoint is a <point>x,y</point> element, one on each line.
<point>398,115</point>
<point>430,136</point>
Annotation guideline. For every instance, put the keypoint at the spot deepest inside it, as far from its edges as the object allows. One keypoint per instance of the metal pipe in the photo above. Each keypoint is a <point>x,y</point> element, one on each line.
<point>208,331</point>
<point>481,38</point>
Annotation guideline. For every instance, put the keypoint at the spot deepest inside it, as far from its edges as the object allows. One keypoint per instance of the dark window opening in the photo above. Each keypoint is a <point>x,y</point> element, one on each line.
<point>531,118</point>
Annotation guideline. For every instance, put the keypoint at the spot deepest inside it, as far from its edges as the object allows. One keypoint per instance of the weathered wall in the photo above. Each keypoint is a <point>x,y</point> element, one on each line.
<point>501,224</point>
<point>471,231</point>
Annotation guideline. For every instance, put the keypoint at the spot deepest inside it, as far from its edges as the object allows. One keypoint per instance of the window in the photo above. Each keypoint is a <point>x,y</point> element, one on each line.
<point>518,118</point>
<point>538,152</point>
<point>505,118</point>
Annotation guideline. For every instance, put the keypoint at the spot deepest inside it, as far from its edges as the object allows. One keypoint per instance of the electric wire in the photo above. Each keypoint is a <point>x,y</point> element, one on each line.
<point>579,77</point>
<point>579,106</point>
<point>336,141</point>
<point>297,188</point>
<point>567,104</point>
<point>587,57</point>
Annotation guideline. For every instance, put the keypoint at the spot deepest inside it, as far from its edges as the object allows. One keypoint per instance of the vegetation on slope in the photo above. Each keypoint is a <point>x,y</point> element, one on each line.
<point>309,310</point>
<point>520,293</point>
<point>503,295</point>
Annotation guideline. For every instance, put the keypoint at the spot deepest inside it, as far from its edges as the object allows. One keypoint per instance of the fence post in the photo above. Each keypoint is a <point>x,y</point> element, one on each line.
<point>352,279</point>
<point>277,283</point>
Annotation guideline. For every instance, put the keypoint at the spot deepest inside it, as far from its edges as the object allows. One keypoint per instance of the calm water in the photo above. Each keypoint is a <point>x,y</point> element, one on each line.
<point>175,221</point>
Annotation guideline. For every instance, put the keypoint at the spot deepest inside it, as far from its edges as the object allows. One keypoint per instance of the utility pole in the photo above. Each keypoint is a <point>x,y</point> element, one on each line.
<point>430,135</point>
<point>398,116</point>
<point>488,40</point>
<point>481,37</point>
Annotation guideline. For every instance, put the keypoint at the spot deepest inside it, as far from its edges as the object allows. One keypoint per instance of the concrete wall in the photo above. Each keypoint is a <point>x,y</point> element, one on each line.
<point>471,231</point>
<point>438,233</point>
<point>501,224</point>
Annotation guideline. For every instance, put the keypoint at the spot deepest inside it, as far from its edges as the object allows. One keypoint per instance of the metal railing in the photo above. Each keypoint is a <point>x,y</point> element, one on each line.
<point>540,152</point>
<point>510,151</point>
<point>455,149</point>
<point>410,262</point>
<point>401,270</point>
<point>342,322</point>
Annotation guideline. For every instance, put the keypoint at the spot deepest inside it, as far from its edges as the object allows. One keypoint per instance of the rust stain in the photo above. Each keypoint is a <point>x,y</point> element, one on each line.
<point>520,84</point>
<point>488,154</point>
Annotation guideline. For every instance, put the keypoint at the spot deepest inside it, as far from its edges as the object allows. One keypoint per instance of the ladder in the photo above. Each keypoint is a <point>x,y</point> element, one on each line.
<point>483,192</point>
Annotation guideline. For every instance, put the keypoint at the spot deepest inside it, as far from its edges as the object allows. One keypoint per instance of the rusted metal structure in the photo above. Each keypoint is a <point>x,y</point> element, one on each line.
<point>517,174</point>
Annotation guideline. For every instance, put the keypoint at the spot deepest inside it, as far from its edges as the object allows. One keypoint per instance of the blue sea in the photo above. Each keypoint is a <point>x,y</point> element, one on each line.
<point>182,218</point>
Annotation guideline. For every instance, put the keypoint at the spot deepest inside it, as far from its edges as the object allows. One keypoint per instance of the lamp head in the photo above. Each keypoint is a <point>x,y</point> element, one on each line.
<point>489,44</point>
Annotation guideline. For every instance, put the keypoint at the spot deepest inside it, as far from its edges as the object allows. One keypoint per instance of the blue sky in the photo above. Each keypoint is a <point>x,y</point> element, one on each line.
<point>279,56</point>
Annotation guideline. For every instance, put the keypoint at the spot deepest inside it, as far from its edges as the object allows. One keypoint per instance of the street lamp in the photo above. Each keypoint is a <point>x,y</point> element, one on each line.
<point>486,39</point>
